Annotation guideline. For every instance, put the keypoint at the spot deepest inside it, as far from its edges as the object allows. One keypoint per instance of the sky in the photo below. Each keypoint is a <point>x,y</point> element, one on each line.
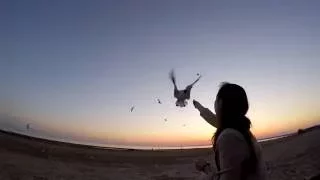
<point>72,69</point>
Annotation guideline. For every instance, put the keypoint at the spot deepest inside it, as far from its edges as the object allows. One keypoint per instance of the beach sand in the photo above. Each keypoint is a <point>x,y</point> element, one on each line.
<point>22,158</point>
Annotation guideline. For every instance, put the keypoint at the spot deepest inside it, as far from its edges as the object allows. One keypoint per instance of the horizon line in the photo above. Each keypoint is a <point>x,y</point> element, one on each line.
<point>132,147</point>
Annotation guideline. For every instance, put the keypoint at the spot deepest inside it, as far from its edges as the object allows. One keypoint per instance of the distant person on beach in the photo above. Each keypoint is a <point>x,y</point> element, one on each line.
<point>237,153</point>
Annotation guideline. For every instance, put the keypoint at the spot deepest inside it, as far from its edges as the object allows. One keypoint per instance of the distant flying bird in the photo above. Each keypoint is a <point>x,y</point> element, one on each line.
<point>182,95</point>
<point>132,108</point>
<point>165,120</point>
<point>159,101</point>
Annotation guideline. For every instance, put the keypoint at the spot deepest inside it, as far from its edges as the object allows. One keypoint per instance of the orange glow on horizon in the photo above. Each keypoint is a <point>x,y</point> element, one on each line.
<point>194,136</point>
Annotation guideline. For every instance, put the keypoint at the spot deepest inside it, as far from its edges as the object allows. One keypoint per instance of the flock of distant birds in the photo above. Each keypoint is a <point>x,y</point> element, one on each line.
<point>182,96</point>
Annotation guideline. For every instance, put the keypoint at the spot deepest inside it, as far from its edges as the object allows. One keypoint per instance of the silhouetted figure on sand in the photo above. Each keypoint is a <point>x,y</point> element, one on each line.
<point>28,127</point>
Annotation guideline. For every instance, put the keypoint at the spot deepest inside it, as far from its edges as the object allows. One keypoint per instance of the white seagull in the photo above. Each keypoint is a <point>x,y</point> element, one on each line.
<point>182,95</point>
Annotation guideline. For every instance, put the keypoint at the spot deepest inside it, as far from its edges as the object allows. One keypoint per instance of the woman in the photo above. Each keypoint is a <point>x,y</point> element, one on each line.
<point>237,153</point>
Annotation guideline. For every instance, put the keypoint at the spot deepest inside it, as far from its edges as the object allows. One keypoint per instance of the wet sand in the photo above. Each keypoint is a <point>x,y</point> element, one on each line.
<point>23,158</point>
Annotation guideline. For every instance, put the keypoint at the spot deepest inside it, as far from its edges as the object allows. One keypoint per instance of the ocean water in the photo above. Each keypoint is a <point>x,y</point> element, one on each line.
<point>176,147</point>
<point>273,138</point>
<point>171,147</point>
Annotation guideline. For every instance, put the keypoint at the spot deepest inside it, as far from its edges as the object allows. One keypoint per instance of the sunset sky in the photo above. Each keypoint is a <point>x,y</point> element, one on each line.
<point>74,68</point>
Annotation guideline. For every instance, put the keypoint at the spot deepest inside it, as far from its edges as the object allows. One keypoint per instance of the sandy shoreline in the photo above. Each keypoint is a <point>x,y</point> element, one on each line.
<point>293,157</point>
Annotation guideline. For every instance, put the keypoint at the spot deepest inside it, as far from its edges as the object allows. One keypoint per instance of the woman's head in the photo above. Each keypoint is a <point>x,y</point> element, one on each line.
<point>231,105</point>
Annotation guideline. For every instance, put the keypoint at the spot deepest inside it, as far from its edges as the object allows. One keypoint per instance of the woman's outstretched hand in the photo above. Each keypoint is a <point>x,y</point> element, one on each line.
<point>197,105</point>
<point>206,114</point>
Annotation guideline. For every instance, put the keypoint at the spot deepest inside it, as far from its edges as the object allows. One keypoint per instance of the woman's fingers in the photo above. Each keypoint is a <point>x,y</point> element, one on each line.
<point>196,104</point>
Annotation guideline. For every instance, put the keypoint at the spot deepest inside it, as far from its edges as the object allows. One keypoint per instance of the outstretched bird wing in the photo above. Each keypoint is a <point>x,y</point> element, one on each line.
<point>173,79</point>
<point>187,91</point>
<point>195,81</point>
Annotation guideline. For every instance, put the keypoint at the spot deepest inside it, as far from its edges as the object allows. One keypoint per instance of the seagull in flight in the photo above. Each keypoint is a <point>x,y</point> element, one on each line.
<point>159,101</point>
<point>182,95</point>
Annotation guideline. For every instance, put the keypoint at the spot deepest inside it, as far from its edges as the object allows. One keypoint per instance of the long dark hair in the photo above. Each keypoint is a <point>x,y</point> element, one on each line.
<point>233,109</point>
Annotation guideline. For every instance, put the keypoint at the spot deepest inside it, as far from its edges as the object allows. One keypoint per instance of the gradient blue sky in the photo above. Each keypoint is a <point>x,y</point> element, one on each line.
<point>76,67</point>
